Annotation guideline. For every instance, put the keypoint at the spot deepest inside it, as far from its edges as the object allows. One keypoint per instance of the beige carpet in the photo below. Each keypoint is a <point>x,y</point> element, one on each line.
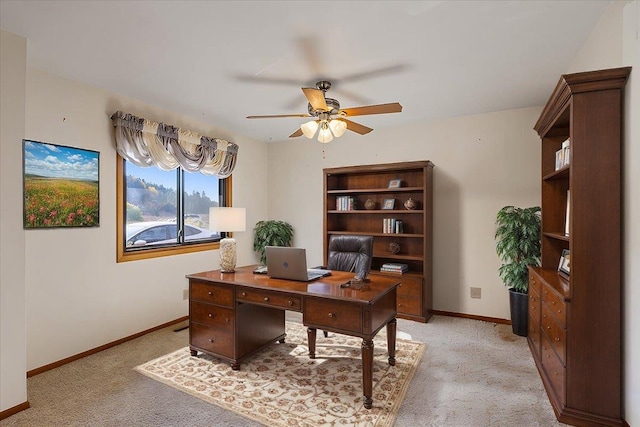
<point>282,386</point>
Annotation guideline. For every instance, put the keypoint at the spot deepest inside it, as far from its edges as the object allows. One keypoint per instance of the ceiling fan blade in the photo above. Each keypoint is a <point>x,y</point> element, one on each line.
<point>278,116</point>
<point>356,127</point>
<point>393,107</point>
<point>296,133</point>
<point>316,98</point>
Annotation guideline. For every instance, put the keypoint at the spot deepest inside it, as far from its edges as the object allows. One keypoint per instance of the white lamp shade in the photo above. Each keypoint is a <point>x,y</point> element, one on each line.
<point>227,219</point>
<point>338,127</point>
<point>309,129</point>
<point>325,135</point>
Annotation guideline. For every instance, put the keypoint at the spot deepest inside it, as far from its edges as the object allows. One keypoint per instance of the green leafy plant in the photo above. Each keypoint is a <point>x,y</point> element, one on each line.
<point>271,233</point>
<point>518,244</point>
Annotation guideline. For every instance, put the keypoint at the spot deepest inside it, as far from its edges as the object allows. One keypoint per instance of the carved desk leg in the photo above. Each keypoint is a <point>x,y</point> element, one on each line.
<point>193,352</point>
<point>367,372</point>
<point>391,341</point>
<point>311,337</point>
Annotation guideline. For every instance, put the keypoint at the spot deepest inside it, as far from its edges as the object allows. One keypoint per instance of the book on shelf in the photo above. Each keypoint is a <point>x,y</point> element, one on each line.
<point>563,155</point>
<point>392,226</point>
<point>345,203</point>
<point>394,267</point>
<point>567,215</point>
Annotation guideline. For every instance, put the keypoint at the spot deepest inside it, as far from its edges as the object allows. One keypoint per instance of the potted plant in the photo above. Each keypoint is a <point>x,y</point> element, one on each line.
<point>518,246</point>
<point>271,233</point>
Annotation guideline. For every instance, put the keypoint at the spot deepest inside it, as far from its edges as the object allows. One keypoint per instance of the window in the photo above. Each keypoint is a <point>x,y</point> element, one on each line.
<point>163,213</point>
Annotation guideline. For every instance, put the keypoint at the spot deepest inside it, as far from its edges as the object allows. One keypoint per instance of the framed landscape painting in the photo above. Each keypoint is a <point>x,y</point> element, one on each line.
<point>61,186</point>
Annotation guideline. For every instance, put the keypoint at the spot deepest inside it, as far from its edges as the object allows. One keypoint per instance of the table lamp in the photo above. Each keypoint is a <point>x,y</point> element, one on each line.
<point>227,220</point>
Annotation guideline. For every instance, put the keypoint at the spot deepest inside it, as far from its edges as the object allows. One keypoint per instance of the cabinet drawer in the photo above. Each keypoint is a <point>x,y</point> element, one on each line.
<point>534,281</point>
<point>409,305</point>
<point>534,305</point>
<point>554,331</point>
<point>211,293</point>
<point>556,304</point>
<point>288,302</point>
<point>554,369</point>
<point>410,287</point>
<point>534,334</point>
<point>211,339</point>
<point>211,315</point>
<point>333,315</point>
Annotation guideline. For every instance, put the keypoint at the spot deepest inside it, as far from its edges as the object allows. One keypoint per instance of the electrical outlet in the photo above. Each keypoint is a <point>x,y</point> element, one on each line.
<point>185,294</point>
<point>476,293</point>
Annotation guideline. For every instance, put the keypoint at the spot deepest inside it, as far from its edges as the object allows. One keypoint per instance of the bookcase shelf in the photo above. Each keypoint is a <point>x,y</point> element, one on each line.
<point>371,182</point>
<point>575,321</point>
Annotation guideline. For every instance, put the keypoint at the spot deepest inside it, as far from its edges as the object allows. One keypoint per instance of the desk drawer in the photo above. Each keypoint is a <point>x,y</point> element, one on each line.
<point>333,315</point>
<point>211,315</point>
<point>212,293</point>
<point>288,302</point>
<point>211,340</point>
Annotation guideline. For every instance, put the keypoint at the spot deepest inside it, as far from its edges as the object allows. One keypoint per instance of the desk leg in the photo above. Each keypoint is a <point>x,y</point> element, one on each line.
<point>367,372</point>
<point>311,337</point>
<point>391,341</point>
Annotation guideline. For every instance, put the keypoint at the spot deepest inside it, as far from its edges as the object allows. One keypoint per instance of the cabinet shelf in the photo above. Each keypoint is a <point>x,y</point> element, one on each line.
<point>376,234</point>
<point>556,235</point>
<point>377,211</point>
<point>364,184</point>
<point>375,190</point>
<point>562,173</point>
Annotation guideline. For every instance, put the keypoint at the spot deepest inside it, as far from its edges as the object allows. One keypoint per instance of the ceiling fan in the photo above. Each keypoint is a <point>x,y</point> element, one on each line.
<point>329,117</point>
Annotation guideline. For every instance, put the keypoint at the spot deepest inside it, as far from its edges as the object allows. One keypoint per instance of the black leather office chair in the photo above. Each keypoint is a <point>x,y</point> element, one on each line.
<point>350,253</point>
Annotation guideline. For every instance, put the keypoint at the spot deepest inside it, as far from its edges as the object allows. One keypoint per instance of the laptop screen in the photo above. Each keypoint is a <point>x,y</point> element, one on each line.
<point>288,263</point>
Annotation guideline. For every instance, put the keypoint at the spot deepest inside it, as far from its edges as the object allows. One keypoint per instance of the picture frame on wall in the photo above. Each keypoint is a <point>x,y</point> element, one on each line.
<point>61,186</point>
<point>388,203</point>
<point>564,267</point>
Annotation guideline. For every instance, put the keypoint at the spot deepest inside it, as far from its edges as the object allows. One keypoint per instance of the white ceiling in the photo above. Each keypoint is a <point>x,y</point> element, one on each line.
<point>220,61</point>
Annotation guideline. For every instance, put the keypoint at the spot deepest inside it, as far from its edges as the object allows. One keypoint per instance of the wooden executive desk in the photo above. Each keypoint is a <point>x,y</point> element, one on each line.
<point>234,315</point>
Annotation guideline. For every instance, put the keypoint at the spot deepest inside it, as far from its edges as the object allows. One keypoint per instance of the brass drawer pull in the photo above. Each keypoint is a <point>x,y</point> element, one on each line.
<point>210,315</point>
<point>290,302</point>
<point>226,320</point>
<point>210,293</point>
<point>244,294</point>
<point>557,339</point>
<point>211,340</point>
<point>331,315</point>
<point>266,298</point>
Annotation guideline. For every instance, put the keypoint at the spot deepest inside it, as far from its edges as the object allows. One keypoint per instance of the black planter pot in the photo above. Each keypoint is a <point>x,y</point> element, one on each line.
<point>519,304</point>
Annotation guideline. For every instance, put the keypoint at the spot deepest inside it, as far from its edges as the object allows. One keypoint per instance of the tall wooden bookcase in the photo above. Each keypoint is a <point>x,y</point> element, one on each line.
<point>575,320</point>
<point>346,211</point>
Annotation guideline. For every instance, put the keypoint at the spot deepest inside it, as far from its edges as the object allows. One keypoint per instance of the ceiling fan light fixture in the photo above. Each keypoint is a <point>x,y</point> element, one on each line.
<point>325,134</point>
<point>309,128</point>
<point>338,127</point>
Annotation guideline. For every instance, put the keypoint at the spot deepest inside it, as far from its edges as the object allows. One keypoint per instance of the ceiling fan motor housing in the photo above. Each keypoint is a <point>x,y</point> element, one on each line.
<point>333,107</point>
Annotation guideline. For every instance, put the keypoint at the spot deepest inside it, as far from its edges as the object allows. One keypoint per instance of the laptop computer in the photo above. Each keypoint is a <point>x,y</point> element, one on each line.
<point>291,264</point>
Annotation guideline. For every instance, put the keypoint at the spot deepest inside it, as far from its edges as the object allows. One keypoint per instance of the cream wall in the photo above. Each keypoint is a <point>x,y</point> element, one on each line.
<point>614,43</point>
<point>482,163</point>
<point>13,63</point>
<point>78,297</point>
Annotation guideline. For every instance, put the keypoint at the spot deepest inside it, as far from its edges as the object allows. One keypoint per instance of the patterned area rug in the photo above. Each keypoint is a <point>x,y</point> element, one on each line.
<point>282,386</point>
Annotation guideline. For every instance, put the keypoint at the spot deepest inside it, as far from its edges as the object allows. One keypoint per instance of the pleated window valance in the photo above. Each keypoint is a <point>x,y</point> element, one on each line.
<point>147,143</point>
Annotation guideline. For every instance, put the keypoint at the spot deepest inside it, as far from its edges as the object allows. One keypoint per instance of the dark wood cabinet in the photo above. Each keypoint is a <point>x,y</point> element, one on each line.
<point>355,198</point>
<point>575,320</point>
